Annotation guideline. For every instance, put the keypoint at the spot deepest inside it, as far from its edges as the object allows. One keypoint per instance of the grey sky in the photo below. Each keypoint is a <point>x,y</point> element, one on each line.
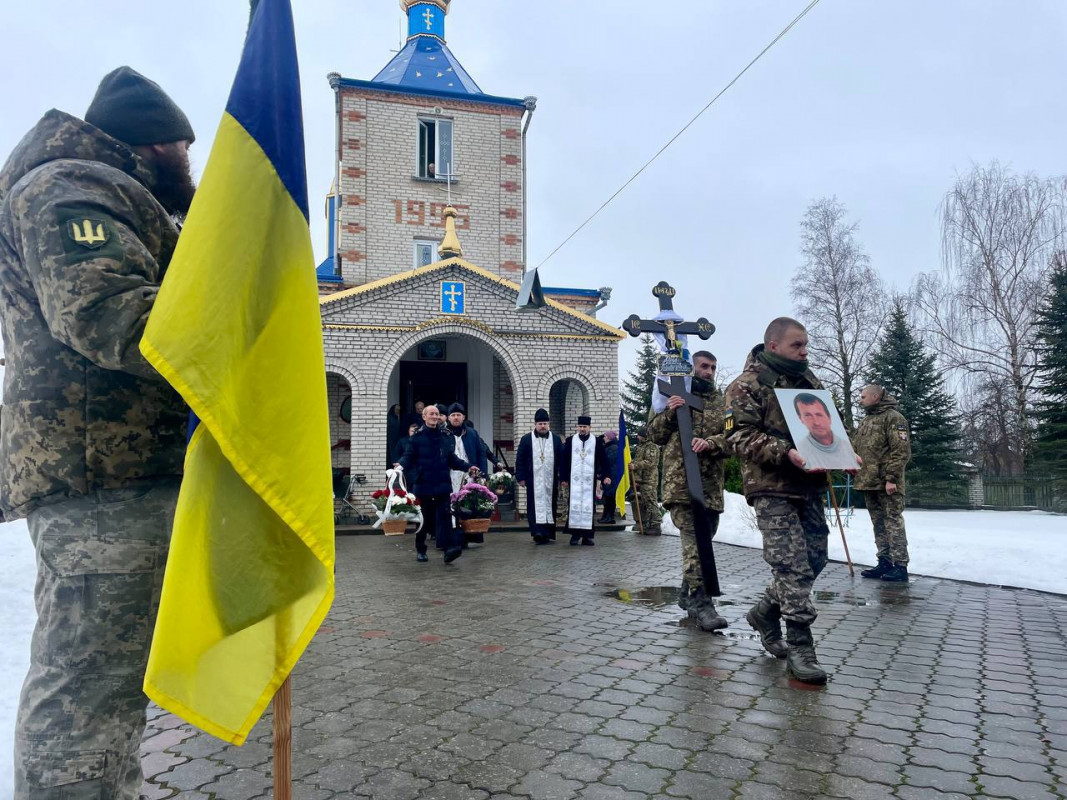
<point>880,104</point>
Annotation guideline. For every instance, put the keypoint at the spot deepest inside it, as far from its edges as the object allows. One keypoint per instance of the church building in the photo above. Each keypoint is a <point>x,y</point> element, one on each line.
<point>427,251</point>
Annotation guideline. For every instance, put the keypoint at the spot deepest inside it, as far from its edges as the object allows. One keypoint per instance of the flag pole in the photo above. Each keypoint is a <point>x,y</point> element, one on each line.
<point>837,511</point>
<point>636,503</point>
<point>283,740</point>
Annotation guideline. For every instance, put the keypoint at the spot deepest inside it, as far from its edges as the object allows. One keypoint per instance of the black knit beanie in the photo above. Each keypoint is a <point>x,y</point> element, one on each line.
<point>136,111</point>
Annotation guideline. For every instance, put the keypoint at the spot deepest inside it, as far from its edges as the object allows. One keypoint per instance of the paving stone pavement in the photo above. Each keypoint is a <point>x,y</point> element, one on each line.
<point>514,673</point>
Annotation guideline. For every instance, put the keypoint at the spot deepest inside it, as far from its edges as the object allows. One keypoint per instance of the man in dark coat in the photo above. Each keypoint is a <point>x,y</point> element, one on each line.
<point>537,467</point>
<point>430,455</point>
<point>584,465</point>
<point>611,455</point>
<point>469,447</point>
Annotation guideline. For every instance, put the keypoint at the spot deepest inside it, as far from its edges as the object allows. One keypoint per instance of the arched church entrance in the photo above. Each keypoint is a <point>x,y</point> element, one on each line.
<point>339,400</point>
<point>453,367</point>
<point>566,400</point>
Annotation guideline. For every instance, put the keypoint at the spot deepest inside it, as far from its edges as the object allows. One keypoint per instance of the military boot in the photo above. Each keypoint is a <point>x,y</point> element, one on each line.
<point>884,565</point>
<point>801,660</point>
<point>765,618</point>
<point>898,573</point>
<point>702,611</point>
<point>683,595</point>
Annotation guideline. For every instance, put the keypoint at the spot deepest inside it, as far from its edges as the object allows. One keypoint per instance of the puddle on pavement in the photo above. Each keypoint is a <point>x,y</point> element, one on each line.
<point>654,597</point>
<point>839,597</point>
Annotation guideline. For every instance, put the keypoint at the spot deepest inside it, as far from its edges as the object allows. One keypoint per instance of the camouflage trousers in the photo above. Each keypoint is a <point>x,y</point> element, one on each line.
<point>887,516</point>
<point>100,562</point>
<point>794,544</point>
<point>651,515</point>
<point>682,517</point>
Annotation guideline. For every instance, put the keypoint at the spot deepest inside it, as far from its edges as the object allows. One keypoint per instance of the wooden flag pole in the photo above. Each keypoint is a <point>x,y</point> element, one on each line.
<point>637,498</point>
<point>840,527</point>
<point>283,740</point>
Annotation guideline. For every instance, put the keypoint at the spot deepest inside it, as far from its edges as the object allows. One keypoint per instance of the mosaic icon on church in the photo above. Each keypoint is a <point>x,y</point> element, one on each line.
<point>452,297</point>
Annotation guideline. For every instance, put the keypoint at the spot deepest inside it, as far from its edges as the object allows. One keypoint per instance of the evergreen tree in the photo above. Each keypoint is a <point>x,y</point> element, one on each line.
<point>637,390</point>
<point>904,368</point>
<point>1050,447</point>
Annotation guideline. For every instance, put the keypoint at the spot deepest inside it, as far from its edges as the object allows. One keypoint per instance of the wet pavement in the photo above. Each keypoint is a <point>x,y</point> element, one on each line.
<point>556,672</point>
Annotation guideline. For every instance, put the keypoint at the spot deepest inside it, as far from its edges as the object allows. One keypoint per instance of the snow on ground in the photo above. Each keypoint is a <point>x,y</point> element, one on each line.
<point>1007,548</point>
<point>1027,549</point>
<point>17,615</point>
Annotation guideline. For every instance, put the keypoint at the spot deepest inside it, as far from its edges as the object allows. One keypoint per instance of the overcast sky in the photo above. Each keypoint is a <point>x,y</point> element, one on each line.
<point>879,103</point>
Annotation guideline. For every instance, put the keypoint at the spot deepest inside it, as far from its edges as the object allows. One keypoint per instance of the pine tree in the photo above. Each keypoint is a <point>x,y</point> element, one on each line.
<point>904,368</point>
<point>1050,447</point>
<point>637,390</point>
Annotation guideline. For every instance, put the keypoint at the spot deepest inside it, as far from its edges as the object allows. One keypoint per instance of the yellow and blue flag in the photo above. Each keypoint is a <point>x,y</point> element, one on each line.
<point>236,330</point>
<point>622,468</point>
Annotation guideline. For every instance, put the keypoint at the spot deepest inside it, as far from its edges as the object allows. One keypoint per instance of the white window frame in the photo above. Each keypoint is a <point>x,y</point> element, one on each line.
<point>418,245</point>
<point>421,169</point>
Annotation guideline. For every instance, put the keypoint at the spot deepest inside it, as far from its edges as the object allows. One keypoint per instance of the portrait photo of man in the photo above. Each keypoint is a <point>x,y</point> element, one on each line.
<point>816,429</point>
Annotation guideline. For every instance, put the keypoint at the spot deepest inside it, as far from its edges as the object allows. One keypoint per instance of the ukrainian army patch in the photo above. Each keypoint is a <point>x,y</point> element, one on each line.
<point>902,432</point>
<point>728,421</point>
<point>87,232</point>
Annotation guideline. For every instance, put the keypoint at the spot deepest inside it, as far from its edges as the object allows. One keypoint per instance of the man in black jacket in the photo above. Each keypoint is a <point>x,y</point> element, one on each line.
<point>431,455</point>
<point>611,453</point>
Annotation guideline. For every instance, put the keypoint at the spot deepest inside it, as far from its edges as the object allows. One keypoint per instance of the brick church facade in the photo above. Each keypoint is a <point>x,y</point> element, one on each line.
<point>406,318</point>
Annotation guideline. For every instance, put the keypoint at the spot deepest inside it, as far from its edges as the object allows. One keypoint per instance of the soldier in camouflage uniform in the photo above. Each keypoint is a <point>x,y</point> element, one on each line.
<point>709,443</point>
<point>883,442</point>
<point>93,439</point>
<point>646,477</point>
<point>787,500</point>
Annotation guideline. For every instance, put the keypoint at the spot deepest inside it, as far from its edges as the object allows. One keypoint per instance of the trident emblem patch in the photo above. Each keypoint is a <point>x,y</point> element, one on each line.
<point>89,233</point>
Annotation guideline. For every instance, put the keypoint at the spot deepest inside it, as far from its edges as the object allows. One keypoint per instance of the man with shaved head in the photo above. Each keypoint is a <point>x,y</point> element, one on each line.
<point>787,500</point>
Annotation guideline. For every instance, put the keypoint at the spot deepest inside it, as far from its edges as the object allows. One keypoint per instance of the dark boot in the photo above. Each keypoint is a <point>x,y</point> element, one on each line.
<point>683,595</point>
<point>884,565</point>
<point>766,619</point>
<point>702,611</point>
<point>802,662</point>
<point>898,573</point>
<point>452,553</point>
<point>576,539</point>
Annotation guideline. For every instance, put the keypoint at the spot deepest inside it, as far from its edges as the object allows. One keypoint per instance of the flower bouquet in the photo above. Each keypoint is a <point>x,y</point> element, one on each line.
<point>502,483</point>
<point>472,506</point>
<point>396,506</point>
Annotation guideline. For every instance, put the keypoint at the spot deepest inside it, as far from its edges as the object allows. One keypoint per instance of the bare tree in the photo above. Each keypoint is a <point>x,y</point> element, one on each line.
<point>839,297</point>
<point>999,233</point>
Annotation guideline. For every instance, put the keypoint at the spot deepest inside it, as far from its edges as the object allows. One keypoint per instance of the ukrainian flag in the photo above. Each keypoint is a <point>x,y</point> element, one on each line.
<point>622,468</point>
<point>236,330</point>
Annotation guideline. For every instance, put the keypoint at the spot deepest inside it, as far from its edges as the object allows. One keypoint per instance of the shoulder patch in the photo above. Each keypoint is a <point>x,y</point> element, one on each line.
<point>92,234</point>
<point>903,435</point>
<point>86,233</point>
<point>728,420</point>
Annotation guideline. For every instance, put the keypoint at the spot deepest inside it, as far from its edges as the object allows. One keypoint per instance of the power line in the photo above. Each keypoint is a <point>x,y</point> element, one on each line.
<point>671,141</point>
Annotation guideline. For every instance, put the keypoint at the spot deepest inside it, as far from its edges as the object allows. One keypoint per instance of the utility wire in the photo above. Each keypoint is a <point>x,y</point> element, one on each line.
<point>647,164</point>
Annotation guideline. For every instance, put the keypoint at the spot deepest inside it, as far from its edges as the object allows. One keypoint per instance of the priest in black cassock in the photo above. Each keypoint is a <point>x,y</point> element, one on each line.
<point>584,465</point>
<point>537,467</point>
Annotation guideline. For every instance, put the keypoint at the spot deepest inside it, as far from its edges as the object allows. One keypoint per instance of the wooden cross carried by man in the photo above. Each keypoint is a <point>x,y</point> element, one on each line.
<point>672,364</point>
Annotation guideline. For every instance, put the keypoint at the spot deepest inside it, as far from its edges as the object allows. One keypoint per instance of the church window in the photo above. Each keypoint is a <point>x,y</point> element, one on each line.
<point>435,149</point>
<point>424,253</point>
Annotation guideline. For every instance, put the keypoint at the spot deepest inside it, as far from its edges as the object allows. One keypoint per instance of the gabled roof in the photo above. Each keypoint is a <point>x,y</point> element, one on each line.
<point>480,272</point>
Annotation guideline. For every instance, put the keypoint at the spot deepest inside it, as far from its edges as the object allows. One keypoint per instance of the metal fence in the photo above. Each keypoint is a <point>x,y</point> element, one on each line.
<point>1022,493</point>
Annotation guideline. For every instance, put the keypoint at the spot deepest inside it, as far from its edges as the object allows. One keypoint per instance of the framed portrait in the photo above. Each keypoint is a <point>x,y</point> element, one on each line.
<point>816,429</point>
<point>433,350</point>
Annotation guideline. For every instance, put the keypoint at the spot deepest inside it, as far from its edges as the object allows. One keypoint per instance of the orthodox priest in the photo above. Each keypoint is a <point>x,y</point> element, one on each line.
<point>584,464</point>
<point>537,467</point>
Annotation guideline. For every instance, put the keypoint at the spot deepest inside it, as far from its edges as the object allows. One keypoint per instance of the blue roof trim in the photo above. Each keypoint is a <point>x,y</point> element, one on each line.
<point>564,290</point>
<point>473,98</point>
<point>326,272</point>
<point>265,97</point>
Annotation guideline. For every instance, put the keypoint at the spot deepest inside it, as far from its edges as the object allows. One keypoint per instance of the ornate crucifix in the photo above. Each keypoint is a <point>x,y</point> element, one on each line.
<point>673,365</point>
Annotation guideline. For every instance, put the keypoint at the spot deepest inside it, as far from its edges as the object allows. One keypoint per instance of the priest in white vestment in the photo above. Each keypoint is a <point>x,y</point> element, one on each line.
<point>537,467</point>
<point>584,465</point>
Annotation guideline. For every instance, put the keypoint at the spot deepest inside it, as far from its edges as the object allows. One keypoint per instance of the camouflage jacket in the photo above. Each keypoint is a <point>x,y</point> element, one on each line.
<point>883,442</point>
<point>646,462</point>
<point>757,430</point>
<point>83,248</point>
<point>707,424</point>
